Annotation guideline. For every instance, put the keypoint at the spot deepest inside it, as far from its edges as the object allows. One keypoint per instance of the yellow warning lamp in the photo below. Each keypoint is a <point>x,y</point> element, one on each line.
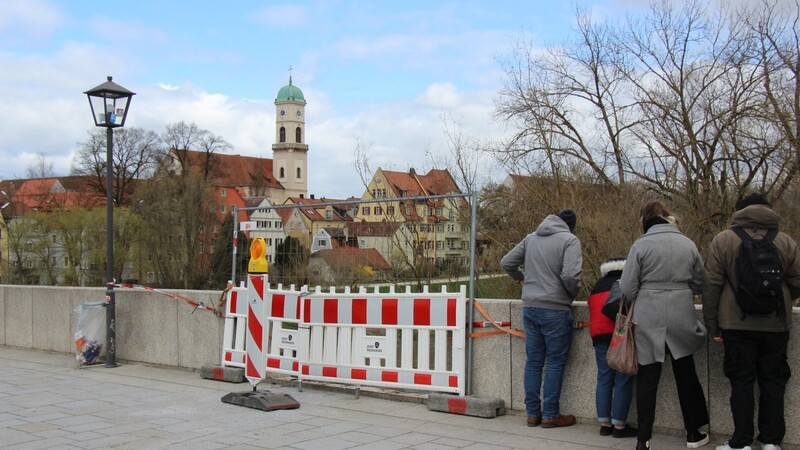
<point>258,256</point>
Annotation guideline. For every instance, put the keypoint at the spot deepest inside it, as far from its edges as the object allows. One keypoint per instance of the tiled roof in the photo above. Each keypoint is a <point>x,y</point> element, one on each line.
<point>235,170</point>
<point>46,194</point>
<point>412,184</point>
<point>359,256</point>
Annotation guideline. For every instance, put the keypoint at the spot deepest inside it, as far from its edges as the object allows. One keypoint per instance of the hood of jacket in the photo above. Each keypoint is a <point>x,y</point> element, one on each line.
<point>755,217</point>
<point>552,224</point>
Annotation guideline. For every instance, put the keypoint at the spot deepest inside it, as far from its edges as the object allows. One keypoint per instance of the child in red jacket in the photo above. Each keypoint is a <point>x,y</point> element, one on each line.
<point>614,389</point>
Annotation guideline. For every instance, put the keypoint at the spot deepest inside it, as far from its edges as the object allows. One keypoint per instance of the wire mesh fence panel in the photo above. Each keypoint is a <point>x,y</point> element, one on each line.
<point>407,241</point>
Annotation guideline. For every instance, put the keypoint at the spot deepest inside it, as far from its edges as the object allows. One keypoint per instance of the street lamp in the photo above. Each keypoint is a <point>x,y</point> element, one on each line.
<point>109,102</point>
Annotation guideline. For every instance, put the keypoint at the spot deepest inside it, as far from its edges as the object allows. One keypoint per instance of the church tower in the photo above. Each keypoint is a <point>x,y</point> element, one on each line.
<point>290,151</point>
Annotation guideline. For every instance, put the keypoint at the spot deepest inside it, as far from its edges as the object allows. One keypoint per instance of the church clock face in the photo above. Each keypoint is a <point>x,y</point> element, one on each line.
<point>299,114</point>
<point>282,113</point>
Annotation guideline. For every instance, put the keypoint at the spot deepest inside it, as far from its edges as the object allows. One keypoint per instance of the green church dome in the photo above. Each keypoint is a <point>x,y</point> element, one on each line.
<point>290,93</point>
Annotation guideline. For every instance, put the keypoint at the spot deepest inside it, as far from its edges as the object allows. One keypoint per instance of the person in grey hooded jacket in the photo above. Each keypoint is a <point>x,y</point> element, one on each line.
<point>548,263</point>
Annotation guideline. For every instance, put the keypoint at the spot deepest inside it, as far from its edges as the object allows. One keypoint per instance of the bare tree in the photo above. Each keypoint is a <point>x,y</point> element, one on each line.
<point>41,167</point>
<point>569,102</point>
<point>136,153</point>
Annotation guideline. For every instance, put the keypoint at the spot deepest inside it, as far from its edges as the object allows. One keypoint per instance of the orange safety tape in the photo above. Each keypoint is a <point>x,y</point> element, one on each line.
<point>501,330</point>
<point>197,305</point>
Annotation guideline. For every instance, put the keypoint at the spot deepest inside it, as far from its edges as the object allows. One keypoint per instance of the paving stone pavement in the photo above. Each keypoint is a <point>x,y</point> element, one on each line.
<point>48,402</point>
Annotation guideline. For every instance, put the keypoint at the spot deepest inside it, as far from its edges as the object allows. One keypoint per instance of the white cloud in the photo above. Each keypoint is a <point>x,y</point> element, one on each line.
<point>441,96</point>
<point>29,17</point>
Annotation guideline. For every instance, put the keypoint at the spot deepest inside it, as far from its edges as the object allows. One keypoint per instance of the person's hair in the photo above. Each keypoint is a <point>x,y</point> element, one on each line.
<point>652,211</point>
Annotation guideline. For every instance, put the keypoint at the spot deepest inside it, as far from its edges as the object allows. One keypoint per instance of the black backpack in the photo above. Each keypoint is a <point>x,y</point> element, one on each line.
<point>759,274</point>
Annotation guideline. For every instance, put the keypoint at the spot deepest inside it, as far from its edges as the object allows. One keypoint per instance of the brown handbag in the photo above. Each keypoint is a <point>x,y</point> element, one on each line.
<point>621,354</point>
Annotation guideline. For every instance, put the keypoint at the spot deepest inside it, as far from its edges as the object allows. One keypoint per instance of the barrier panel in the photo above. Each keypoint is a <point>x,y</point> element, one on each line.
<point>276,329</point>
<point>399,340</point>
<point>233,336</point>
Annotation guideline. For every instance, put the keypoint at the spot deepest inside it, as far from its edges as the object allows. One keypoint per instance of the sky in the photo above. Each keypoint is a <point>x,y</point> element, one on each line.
<point>383,75</point>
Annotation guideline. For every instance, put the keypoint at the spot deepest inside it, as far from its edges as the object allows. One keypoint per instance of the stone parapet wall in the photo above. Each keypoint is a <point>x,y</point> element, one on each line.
<point>155,329</point>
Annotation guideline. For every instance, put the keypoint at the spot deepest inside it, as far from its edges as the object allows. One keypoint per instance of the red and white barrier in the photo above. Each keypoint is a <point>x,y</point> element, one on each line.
<point>271,333</point>
<point>401,340</point>
<point>233,337</point>
<point>255,365</point>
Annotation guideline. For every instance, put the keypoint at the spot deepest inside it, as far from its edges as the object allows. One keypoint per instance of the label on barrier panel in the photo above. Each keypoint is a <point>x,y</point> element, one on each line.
<point>256,365</point>
<point>374,347</point>
<point>288,339</point>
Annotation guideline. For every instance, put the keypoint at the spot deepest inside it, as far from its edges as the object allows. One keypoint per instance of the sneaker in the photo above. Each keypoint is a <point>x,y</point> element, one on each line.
<point>696,439</point>
<point>643,445</point>
<point>770,447</point>
<point>626,432</point>
<point>534,421</point>
<point>559,421</point>
<point>606,430</point>
<point>727,446</point>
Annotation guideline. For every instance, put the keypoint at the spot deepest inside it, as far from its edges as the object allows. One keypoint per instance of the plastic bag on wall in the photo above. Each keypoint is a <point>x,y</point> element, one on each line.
<point>90,332</point>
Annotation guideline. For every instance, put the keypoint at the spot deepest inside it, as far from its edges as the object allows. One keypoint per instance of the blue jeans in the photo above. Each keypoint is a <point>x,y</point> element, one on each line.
<point>548,336</point>
<point>614,390</point>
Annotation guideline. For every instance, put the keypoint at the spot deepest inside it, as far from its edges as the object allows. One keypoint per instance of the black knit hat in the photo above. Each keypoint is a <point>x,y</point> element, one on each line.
<point>568,216</point>
<point>752,199</point>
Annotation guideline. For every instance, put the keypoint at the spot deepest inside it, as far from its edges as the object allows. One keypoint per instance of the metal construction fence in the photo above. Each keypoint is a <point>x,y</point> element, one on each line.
<point>410,244</point>
<point>363,337</point>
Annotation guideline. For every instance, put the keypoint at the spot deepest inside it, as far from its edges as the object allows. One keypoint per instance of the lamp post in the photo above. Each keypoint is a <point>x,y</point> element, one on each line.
<point>109,102</point>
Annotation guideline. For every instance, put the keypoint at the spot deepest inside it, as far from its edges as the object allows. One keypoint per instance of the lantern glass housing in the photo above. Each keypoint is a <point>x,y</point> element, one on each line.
<point>110,103</point>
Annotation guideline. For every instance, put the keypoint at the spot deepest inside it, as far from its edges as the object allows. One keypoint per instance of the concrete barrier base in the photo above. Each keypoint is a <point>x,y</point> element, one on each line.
<point>488,407</point>
<point>222,373</point>
<point>263,400</point>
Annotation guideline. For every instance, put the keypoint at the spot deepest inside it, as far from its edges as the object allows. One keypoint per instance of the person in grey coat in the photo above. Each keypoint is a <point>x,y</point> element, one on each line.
<point>662,274</point>
<point>548,263</point>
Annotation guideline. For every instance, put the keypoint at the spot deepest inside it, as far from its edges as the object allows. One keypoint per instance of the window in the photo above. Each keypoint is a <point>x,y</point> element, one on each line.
<point>328,215</point>
<point>282,135</point>
<point>53,260</point>
<point>390,210</point>
<point>451,214</point>
<point>323,243</point>
<point>451,227</point>
<point>223,192</point>
<point>439,211</point>
<point>408,210</point>
<point>365,210</point>
<point>440,228</point>
<point>222,208</point>
<point>278,224</point>
<point>200,248</point>
<point>362,243</point>
<point>439,245</point>
<point>378,211</point>
<point>298,173</point>
<point>282,174</point>
<point>297,135</point>
<point>268,241</point>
